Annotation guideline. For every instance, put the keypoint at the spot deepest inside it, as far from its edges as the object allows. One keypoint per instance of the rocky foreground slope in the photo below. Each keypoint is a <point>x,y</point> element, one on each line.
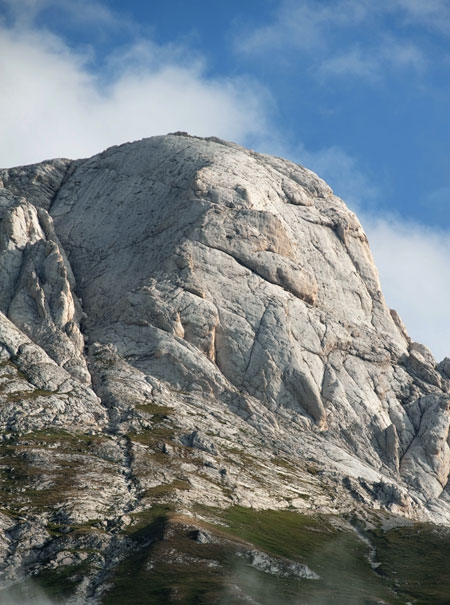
<point>191,330</point>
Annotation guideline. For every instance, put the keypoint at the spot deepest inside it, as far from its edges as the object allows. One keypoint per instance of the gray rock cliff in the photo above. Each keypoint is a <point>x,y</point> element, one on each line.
<point>187,314</point>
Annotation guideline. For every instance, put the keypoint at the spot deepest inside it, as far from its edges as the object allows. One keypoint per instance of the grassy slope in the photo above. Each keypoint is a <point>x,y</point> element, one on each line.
<point>170,567</point>
<point>179,569</point>
<point>416,561</point>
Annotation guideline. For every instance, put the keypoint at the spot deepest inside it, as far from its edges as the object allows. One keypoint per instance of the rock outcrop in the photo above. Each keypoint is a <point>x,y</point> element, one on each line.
<point>208,322</point>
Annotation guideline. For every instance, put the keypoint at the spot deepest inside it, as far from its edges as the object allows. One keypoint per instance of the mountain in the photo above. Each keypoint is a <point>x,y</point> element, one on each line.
<point>204,397</point>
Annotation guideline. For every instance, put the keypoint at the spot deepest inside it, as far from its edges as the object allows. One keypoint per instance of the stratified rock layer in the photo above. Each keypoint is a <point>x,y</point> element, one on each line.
<point>235,292</point>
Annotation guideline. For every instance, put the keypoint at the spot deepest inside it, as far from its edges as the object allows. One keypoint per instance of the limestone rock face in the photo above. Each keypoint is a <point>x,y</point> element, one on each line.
<point>234,293</point>
<point>217,277</point>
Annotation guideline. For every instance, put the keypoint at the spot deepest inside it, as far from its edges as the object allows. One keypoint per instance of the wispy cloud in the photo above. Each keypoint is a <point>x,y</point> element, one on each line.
<point>293,27</point>
<point>25,12</point>
<point>433,14</point>
<point>354,38</point>
<point>303,24</point>
<point>372,63</point>
<point>53,103</point>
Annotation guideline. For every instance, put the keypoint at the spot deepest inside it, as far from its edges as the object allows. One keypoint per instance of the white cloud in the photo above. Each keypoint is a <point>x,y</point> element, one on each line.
<point>52,105</point>
<point>413,263</point>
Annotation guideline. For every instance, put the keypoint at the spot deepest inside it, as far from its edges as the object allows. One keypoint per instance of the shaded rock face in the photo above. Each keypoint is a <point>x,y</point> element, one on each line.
<point>195,273</point>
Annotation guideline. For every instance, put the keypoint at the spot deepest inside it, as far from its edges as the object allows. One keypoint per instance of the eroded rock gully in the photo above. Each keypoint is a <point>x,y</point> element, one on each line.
<point>186,322</point>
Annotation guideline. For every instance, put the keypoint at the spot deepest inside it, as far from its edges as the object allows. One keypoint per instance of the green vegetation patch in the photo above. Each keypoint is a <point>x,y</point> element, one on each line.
<point>153,436</point>
<point>166,489</point>
<point>18,396</point>
<point>145,518</point>
<point>416,560</point>
<point>336,554</point>
<point>71,442</point>
<point>169,565</point>
<point>158,412</point>
<point>58,530</point>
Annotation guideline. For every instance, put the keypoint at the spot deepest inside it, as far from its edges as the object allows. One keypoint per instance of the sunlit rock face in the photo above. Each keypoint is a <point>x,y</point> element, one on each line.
<point>233,288</point>
<point>220,270</point>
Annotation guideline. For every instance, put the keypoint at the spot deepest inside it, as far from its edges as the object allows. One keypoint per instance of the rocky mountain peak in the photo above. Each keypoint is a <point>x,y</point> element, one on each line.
<point>187,303</point>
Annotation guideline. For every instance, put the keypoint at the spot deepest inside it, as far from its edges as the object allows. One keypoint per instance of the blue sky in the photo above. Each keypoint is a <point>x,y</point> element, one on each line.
<point>356,90</point>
